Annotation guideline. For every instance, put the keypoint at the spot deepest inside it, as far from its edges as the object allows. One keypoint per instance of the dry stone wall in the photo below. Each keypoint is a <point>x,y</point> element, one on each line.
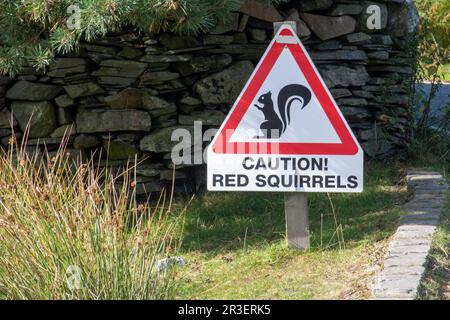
<point>124,94</point>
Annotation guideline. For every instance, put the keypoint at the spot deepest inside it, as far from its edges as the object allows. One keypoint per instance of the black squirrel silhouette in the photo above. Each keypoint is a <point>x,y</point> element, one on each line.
<point>275,125</point>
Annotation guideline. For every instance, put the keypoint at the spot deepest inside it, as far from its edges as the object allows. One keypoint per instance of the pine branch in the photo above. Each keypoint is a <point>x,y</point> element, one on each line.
<point>34,31</point>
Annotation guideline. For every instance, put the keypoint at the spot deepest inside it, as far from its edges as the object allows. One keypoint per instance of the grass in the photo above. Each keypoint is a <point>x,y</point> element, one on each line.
<point>68,233</point>
<point>235,243</point>
<point>55,215</point>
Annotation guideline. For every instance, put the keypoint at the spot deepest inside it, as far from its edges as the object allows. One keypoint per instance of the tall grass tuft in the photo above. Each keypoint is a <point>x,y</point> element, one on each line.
<point>68,232</point>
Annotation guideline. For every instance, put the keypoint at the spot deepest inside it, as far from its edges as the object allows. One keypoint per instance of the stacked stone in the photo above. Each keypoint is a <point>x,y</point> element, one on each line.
<point>6,121</point>
<point>125,94</point>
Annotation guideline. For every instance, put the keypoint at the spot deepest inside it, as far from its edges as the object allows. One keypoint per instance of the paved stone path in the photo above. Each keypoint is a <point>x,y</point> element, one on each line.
<point>404,264</point>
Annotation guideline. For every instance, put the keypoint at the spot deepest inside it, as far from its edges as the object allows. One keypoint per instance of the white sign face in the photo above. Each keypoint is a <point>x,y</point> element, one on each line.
<point>285,132</point>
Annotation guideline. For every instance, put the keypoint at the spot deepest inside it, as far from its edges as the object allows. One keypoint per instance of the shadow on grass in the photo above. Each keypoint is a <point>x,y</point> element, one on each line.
<point>232,221</point>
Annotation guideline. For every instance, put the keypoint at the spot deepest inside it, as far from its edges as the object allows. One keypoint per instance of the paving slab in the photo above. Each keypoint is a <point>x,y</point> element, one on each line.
<point>420,216</point>
<point>404,264</point>
<point>401,270</point>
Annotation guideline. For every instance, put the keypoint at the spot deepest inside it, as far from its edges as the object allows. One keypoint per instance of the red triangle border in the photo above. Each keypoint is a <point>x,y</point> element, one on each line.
<point>348,146</point>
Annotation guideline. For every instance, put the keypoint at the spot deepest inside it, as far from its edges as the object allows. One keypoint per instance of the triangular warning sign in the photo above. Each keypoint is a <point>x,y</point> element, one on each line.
<point>285,108</point>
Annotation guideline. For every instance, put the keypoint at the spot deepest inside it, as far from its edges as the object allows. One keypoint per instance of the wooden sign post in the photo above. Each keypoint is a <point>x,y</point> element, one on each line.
<point>295,203</point>
<point>297,222</point>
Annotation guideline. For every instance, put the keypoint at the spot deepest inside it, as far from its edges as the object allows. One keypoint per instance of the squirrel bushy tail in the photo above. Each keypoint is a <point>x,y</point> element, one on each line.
<point>286,96</point>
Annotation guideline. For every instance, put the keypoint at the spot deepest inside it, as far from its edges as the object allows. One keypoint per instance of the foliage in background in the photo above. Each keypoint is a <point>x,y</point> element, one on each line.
<point>430,139</point>
<point>57,218</point>
<point>434,33</point>
<point>435,18</point>
<point>33,31</point>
